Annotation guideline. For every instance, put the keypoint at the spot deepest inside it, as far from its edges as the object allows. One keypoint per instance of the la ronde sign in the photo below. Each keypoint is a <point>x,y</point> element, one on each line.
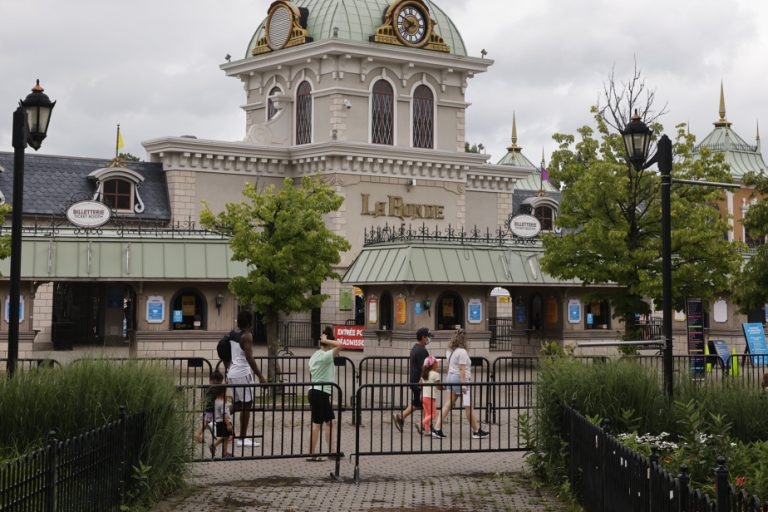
<point>524,226</point>
<point>88,214</point>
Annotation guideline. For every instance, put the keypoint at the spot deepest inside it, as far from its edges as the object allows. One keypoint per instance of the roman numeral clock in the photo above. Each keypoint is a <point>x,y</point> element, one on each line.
<point>408,23</point>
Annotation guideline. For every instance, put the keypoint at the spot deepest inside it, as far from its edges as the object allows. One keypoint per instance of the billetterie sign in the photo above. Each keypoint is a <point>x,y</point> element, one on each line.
<point>524,226</point>
<point>350,336</point>
<point>88,214</point>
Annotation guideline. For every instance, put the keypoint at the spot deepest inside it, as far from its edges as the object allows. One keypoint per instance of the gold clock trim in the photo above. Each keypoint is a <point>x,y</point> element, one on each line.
<point>387,32</point>
<point>297,34</point>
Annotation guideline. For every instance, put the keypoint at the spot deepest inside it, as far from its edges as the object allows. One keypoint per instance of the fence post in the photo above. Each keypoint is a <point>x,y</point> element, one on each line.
<point>50,472</point>
<point>722,487</point>
<point>122,432</point>
<point>653,465</point>
<point>683,480</point>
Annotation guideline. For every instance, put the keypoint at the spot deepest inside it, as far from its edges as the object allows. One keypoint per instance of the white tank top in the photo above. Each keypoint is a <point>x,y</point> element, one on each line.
<point>239,367</point>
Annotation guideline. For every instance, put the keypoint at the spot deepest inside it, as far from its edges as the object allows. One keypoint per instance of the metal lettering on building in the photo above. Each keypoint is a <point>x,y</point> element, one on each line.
<point>394,206</point>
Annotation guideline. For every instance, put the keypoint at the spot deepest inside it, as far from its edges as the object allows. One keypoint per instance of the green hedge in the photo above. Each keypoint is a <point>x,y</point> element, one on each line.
<point>79,397</point>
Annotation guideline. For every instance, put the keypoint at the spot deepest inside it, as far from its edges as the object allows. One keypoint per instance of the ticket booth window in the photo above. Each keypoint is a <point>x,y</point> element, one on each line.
<point>188,311</point>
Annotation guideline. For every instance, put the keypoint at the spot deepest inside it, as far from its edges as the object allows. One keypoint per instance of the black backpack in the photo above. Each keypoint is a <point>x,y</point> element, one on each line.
<point>224,349</point>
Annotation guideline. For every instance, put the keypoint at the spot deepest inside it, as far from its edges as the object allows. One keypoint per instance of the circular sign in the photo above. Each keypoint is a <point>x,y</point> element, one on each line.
<point>524,226</point>
<point>88,214</point>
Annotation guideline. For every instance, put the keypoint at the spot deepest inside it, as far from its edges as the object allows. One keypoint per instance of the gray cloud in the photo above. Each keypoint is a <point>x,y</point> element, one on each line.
<point>153,66</point>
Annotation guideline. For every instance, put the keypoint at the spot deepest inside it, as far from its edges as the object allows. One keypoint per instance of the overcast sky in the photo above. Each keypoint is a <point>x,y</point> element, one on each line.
<point>152,66</point>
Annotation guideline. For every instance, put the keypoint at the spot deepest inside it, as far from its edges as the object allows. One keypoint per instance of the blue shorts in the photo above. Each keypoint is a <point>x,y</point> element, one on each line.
<point>454,386</point>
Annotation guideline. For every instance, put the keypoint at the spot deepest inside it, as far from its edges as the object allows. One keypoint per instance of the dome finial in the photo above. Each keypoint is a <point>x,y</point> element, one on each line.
<point>514,146</point>
<point>722,121</point>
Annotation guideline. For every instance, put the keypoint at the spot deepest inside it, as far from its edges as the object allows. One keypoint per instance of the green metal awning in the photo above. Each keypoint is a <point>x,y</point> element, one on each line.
<point>440,263</point>
<point>136,259</point>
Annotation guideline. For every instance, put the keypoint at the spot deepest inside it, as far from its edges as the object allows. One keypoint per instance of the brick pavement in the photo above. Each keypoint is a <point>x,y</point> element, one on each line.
<point>430,483</point>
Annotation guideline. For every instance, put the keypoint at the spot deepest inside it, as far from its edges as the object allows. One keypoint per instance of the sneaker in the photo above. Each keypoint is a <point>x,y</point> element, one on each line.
<point>246,442</point>
<point>397,421</point>
<point>480,434</point>
<point>437,433</point>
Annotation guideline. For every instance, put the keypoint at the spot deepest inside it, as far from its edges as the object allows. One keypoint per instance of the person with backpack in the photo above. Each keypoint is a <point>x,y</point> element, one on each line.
<point>240,370</point>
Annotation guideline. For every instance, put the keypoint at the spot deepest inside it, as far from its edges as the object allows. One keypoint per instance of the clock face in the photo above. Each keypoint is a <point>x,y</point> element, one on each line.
<point>279,27</point>
<point>411,24</point>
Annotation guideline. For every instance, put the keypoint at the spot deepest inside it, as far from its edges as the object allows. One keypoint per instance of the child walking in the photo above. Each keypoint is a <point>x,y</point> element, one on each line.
<point>224,429</point>
<point>214,379</point>
<point>430,375</point>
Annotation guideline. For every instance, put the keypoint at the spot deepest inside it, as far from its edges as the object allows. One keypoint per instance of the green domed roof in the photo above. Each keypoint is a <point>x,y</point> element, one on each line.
<point>357,20</point>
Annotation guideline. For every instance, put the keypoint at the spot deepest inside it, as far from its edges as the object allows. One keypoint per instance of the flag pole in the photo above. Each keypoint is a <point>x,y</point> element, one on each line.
<point>117,141</point>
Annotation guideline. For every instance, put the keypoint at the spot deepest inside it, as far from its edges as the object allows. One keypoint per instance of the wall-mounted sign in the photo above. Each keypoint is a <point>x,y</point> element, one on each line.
<point>345,299</point>
<point>155,309</point>
<point>350,336</point>
<point>574,311</point>
<point>417,307</point>
<point>8,308</point>
<point>521,316</point>
<point>721,311</point>
<point>177,316</point>
<point>695,328</point>
<point>524,226</point>
<point>475,311</point>
<point>400,310</point>
<point>88,214</point>
<point>373,310</point>
<point>394,206</point>
<point>552,313</point>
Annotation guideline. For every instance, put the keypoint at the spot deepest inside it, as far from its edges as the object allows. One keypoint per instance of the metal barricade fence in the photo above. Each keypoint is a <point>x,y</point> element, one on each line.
<point>396,370</point>
<point>29,363</point>
<point>514,369</point>
<point>376,403</point>
<point>279,422</point>
<point>292,369</point>
<point>188,371</point>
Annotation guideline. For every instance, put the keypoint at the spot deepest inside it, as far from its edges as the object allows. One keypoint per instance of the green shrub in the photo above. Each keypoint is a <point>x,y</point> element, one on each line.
<point>79,397</point>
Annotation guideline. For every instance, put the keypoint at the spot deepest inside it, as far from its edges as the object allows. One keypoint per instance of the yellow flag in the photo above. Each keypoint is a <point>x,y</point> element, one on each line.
<point>119,139</point>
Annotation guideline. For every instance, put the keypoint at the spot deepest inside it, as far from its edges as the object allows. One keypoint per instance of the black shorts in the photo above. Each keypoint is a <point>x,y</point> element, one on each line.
<point>320,404</point>
<point>222,430</point>
<point>416,400</point>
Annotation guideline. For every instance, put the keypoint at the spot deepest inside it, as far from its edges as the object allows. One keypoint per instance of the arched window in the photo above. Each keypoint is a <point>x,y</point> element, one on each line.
<point>423,117</point>
<point>386,311</point>
<point>271,109</point>
<point>382,113</point>
<point>535,319</point>
<point>304,113</point>
<point>545,216</point>
<point>118,194</point>
<point>597,315</point>
<point>188,311</point>
<point>450,311</point>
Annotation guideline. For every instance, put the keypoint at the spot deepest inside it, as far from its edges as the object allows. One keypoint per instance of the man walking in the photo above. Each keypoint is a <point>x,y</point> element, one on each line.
<point>418,354</point>
<point>239,372</point>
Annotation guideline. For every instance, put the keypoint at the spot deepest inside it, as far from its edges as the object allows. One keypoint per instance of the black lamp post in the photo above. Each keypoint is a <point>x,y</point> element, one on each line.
<point>637,140</point>
<point>30,125</point>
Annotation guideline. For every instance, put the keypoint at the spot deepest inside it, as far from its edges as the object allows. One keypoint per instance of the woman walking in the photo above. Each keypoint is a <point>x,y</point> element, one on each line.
<point>459,375</point>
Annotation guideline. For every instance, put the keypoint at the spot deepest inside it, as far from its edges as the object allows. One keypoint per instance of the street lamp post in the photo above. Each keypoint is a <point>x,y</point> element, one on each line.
<point>637,140</point>
<point>30,126</point>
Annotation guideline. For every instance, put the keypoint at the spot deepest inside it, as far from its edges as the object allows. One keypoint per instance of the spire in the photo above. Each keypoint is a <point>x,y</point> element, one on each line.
<point>514,147</point>
<point>757,135</point>
<point>722,121</point>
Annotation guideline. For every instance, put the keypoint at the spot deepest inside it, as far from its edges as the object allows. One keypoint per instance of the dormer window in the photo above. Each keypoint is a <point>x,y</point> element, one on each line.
<point>118,194</point>
<point>118,188</point>
<point>546,216</point>
<point>544,208</point>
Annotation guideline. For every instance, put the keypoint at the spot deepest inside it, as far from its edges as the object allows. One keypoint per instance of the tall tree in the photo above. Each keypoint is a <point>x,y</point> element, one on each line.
<point>611,214</point>
<point>750,290</point>
<point>281,235</point>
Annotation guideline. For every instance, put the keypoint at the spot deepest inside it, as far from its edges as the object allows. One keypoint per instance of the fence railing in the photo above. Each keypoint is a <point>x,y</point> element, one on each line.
<point>91,471</point>
<point>31,363</point>
<point>298,334</point>
<point>604,474</point>
<point>186,370</point>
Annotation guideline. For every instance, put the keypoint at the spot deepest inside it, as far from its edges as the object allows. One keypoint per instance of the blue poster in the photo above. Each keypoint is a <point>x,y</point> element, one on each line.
<point>755,336</point>
<point>475,311</point>
<point>574,312</point>
<point>417,307</point>
<point>8,308</point>
<point>520,316</point>
<point>177,316</point>
<point>590,319</point>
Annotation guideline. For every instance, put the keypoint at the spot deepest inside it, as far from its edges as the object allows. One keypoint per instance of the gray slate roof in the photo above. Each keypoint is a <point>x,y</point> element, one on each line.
<point>53,183</point>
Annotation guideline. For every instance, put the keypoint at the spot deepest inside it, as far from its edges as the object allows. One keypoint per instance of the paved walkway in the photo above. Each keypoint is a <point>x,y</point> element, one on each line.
<point>430,483</point>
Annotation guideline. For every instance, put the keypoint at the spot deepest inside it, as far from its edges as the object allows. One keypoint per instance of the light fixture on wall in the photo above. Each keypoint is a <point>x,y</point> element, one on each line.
<point>426,304</point>
<point>410,183</point>
<point>219,303</point>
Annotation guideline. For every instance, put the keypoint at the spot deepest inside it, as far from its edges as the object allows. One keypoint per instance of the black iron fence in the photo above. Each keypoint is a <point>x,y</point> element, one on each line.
<point>31,363</point>
<point>187,371</point>
<point>298,334</point>
<point>91,471</point>
<point>604,474</point>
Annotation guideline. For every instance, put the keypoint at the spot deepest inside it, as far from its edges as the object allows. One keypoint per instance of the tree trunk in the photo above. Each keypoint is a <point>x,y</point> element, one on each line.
<point>273,346</point>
